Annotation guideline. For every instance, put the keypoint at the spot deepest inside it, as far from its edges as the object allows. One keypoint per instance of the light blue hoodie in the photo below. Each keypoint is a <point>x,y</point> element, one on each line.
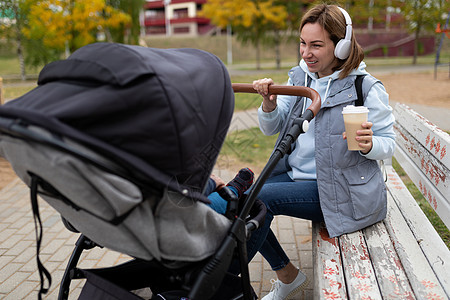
<point>302,158</point>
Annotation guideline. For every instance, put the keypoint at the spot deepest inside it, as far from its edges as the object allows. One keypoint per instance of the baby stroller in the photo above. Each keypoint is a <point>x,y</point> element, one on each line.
<point>121,141</point>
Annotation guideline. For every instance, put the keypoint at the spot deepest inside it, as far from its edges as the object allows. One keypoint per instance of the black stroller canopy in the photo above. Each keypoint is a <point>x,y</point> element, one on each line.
<point>162,112</point>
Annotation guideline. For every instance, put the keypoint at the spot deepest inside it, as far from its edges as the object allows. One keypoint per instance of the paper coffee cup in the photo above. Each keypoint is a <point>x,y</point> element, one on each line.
<point>354,116</point>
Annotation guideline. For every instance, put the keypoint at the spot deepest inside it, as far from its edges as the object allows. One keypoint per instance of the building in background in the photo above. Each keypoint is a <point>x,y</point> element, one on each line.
<point>175,17</point>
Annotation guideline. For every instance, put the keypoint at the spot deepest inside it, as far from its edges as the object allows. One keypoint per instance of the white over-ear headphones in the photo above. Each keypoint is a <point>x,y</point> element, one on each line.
<point>342,50</point>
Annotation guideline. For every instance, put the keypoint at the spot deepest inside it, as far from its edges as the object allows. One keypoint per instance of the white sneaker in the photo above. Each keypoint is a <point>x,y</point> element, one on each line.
<point>282,291</point>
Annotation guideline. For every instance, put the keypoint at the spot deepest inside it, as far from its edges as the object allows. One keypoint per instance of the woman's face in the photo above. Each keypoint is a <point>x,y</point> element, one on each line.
<point>317,49</point>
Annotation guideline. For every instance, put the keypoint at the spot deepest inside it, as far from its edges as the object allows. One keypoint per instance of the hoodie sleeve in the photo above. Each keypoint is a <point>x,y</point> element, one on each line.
<point>271,123</point>
<point>380,114</point>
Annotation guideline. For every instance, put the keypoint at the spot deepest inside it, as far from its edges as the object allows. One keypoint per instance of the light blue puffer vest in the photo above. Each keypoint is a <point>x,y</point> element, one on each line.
<point>351,187</point>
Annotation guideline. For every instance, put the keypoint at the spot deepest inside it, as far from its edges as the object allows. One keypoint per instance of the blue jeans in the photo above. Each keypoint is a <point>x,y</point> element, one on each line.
<point>217,202</point>
<point>283,196</point>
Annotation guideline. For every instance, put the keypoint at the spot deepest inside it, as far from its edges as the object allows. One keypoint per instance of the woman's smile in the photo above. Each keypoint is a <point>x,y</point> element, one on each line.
<point>317,50</point>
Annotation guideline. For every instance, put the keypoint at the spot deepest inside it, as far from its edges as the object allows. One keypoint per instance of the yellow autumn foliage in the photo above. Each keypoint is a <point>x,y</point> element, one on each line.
<point>244,12</point>
<point>76,22</point>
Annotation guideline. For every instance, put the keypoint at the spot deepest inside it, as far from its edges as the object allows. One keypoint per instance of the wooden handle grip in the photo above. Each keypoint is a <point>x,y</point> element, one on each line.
<point>284,90</point>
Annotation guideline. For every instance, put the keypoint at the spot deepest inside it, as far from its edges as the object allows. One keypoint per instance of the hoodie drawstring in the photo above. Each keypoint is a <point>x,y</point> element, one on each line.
<point>326,91</point>
<point>304,102</point>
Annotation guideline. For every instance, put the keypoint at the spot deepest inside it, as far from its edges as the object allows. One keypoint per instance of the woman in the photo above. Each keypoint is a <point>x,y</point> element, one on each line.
<point>320,180</point>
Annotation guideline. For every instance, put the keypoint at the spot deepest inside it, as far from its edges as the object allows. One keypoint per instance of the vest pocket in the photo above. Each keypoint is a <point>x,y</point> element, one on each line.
<point>366,188</point>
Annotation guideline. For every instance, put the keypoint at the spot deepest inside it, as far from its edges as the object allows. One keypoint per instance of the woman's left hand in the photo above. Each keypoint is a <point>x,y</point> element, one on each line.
<point>364,137</point>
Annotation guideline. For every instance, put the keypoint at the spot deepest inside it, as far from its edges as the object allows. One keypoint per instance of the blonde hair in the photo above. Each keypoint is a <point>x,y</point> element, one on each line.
<point>333,21</point>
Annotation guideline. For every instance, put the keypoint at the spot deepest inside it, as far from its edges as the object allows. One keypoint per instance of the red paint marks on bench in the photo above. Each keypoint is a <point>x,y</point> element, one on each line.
<point>331,271</point>
<point>407,295</point>
<point>435,143</point>
<point>395,182</point>
<point>362,244</point>
<point>427,163</point>
<point>443,152</point>
<point>329,295</point>
<point>332,275</point>
<point>428,195</point>
<point>429,285</point>
<point>325,237</point>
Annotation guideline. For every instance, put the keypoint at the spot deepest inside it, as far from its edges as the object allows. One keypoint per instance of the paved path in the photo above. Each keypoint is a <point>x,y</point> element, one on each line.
<point>20,280</point>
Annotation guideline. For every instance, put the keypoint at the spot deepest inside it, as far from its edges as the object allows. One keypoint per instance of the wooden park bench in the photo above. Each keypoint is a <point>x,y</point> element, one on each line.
<point>402,257</point>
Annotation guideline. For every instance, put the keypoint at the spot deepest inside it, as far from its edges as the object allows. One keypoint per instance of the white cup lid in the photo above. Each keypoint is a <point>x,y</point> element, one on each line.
<point>351,109</point>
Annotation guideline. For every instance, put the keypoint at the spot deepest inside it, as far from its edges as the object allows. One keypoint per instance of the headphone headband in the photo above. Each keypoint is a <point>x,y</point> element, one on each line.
<point>342,49</point>
<point>348,21</point>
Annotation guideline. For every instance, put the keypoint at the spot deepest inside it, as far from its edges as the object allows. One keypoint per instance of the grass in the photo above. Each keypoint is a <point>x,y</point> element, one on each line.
<point>10,66</point>
<point>247,101</point>
<point>242,53</point>
<point>248,147</point>
<point>17,91</point>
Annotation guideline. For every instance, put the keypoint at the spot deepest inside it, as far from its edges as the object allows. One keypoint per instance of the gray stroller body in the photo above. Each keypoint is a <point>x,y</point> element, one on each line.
<point>121,141</point>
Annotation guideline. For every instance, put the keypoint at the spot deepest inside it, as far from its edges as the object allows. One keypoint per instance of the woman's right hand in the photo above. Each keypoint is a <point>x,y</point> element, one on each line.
<point>262,87</point>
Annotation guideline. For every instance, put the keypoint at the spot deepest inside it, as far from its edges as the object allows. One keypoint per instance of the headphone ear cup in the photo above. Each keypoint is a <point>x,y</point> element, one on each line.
<point>342,49</point>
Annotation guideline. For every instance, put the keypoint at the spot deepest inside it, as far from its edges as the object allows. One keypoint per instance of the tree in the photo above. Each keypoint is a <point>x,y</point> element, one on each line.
<point>367,12</point>
<point>295,10</point>
<point>11,30</point>
<point>133,8</point>
<point>423,15</point>
<point>250,19</point>
<point>286,30</point>
<point>58,26</point>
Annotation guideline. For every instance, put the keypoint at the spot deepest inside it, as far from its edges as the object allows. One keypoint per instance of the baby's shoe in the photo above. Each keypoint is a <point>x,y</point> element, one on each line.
<point>242,181</point>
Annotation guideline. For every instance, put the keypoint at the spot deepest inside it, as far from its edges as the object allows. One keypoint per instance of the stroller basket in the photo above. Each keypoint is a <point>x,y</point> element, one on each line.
<point>71,142</point>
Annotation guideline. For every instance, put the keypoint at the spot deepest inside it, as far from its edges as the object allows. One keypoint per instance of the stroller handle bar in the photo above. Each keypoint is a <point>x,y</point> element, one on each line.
<point>284,90</point>
<point>291,136</point>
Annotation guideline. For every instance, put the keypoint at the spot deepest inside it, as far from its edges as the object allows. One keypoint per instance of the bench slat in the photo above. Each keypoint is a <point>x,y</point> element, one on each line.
<point>435,140</point>
<point>438,202</point>
<point>422,152</point>
<point>432,246</point>
<point>358,269</point>
<point>390,274</point>
<point>329,282</point>
<point>426,162</point>
<point>420,274</point>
